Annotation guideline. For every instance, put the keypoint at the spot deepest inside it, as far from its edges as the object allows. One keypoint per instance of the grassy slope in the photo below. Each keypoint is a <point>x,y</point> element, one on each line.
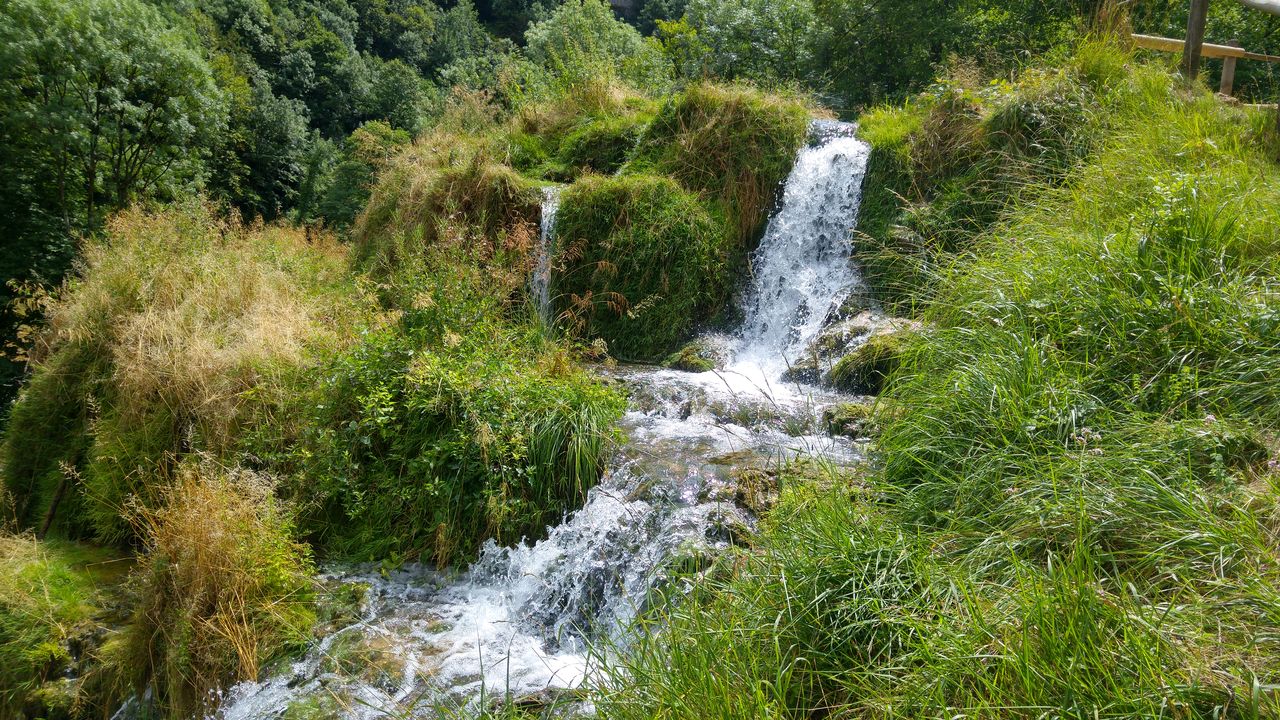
<point>1076,512</point>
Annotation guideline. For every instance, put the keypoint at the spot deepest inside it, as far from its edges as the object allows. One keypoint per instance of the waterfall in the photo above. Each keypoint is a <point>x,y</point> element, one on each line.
<point>540,281</point>
<point>802,269</point>
<point>523,620</point>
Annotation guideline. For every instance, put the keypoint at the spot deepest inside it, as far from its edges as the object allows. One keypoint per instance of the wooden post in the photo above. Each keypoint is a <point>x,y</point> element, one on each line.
<point>1195,38</point>
<point>1228,72</point>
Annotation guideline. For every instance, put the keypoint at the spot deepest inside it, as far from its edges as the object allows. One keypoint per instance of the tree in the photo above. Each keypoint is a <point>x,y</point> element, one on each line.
<point>764,40</point>
<point>583,40</point>
<point>102,102</point>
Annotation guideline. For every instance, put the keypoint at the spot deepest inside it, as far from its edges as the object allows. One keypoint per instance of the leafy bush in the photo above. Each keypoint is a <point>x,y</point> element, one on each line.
<point>582,41</point>
<point>946,164</point>
<point>223,590</point>
<point>640,263</point>
<point>461,420</point>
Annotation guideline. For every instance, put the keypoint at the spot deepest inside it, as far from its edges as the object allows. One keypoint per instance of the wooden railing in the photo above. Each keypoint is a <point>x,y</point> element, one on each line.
<point>1230,54</point>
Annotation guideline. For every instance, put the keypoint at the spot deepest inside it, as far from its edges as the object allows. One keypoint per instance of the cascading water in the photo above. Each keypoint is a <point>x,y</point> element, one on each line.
<point>540,282</point>
<point>802,268</point>
<point>520,621</point>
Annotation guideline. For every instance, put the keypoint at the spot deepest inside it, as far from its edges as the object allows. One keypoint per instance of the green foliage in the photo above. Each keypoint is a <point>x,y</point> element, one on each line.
<point>766,41</point>
<point>52,597</point>
<point>446,189</point>
<point>732,145</point>
<point>103,103</point>
<point>949,162</point>
<point>181,333</point>
<point>344,194</point>
<point>1076,497</point>
<point>426,445</point>
<point>641,263</point>
<point>223,590</point>
<point>582,42</point>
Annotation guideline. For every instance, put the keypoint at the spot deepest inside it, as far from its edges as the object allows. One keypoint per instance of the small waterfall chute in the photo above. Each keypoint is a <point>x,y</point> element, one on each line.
<point>540,279</point>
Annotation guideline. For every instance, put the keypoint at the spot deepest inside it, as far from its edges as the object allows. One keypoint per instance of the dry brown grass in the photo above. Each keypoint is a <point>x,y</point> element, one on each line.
<point>182,332</point>
<point>224,589</point>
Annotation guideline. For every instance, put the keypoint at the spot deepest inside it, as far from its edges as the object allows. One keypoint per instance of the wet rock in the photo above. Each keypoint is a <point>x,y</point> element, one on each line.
<point>702,355</point>
<point>375,659</point>
<point>548,703</point>
<point>853,420</point>
<point>835,341</point>
<point>756,490</point>
<point>864,370</point>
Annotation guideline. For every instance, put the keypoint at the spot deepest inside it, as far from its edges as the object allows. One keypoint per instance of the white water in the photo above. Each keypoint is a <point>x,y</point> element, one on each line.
<point>540,282</point>
<point>522,619</point>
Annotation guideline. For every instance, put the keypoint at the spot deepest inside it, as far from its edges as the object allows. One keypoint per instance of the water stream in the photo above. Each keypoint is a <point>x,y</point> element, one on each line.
<point>540,282</point>
<point>522,620</point>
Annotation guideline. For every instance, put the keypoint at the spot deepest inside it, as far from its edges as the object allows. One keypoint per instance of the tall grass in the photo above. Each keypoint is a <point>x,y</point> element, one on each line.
<point>1073,509</point>
<point>180,331</point>
<point>224,590</point>
<point>53,601</point>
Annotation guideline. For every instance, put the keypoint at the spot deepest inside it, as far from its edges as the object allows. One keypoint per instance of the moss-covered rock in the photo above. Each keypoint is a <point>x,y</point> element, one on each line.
<point>865,370</point>
<point>602,145</point>
<point>853,419</point>
<point>56,601</point>
<point>698,356</point>
<point>640,263</point>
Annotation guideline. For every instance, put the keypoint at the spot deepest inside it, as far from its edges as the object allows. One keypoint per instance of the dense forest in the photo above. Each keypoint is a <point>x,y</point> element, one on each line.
<point>317,314</point>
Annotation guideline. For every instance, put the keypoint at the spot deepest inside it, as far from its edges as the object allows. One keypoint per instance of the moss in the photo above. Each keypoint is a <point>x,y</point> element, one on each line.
<point>732,145</point>
<point>502,435</point>
<point>697,356</point>
<point>53,599</point>
<point>852,419</point>
<point>602,145</point>
<point>866,370</point>
<point>641,263</point>
<point>47,434</point>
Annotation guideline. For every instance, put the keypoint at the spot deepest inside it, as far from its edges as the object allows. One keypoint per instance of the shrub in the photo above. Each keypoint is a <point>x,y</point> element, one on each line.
<point>223,590</point>
<point>946,165</point>
<point>603,145</point>
<point>180,334</point>
<point>640,263</point>
<point>445,187</point>
<point>455,427</point>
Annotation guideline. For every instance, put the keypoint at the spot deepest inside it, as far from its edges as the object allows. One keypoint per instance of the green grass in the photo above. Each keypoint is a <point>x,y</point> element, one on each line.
<point>732,145</point>
<point>53,599</point>
<point>640,263</point>
<point>1074,506</point>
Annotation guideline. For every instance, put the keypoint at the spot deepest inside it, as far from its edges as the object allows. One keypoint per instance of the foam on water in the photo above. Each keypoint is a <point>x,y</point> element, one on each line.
<point>522,619</point>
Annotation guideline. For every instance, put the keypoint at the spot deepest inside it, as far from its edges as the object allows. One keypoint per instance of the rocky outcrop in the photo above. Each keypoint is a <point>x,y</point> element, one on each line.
<point>702,355</point>
<point>842,340</point>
